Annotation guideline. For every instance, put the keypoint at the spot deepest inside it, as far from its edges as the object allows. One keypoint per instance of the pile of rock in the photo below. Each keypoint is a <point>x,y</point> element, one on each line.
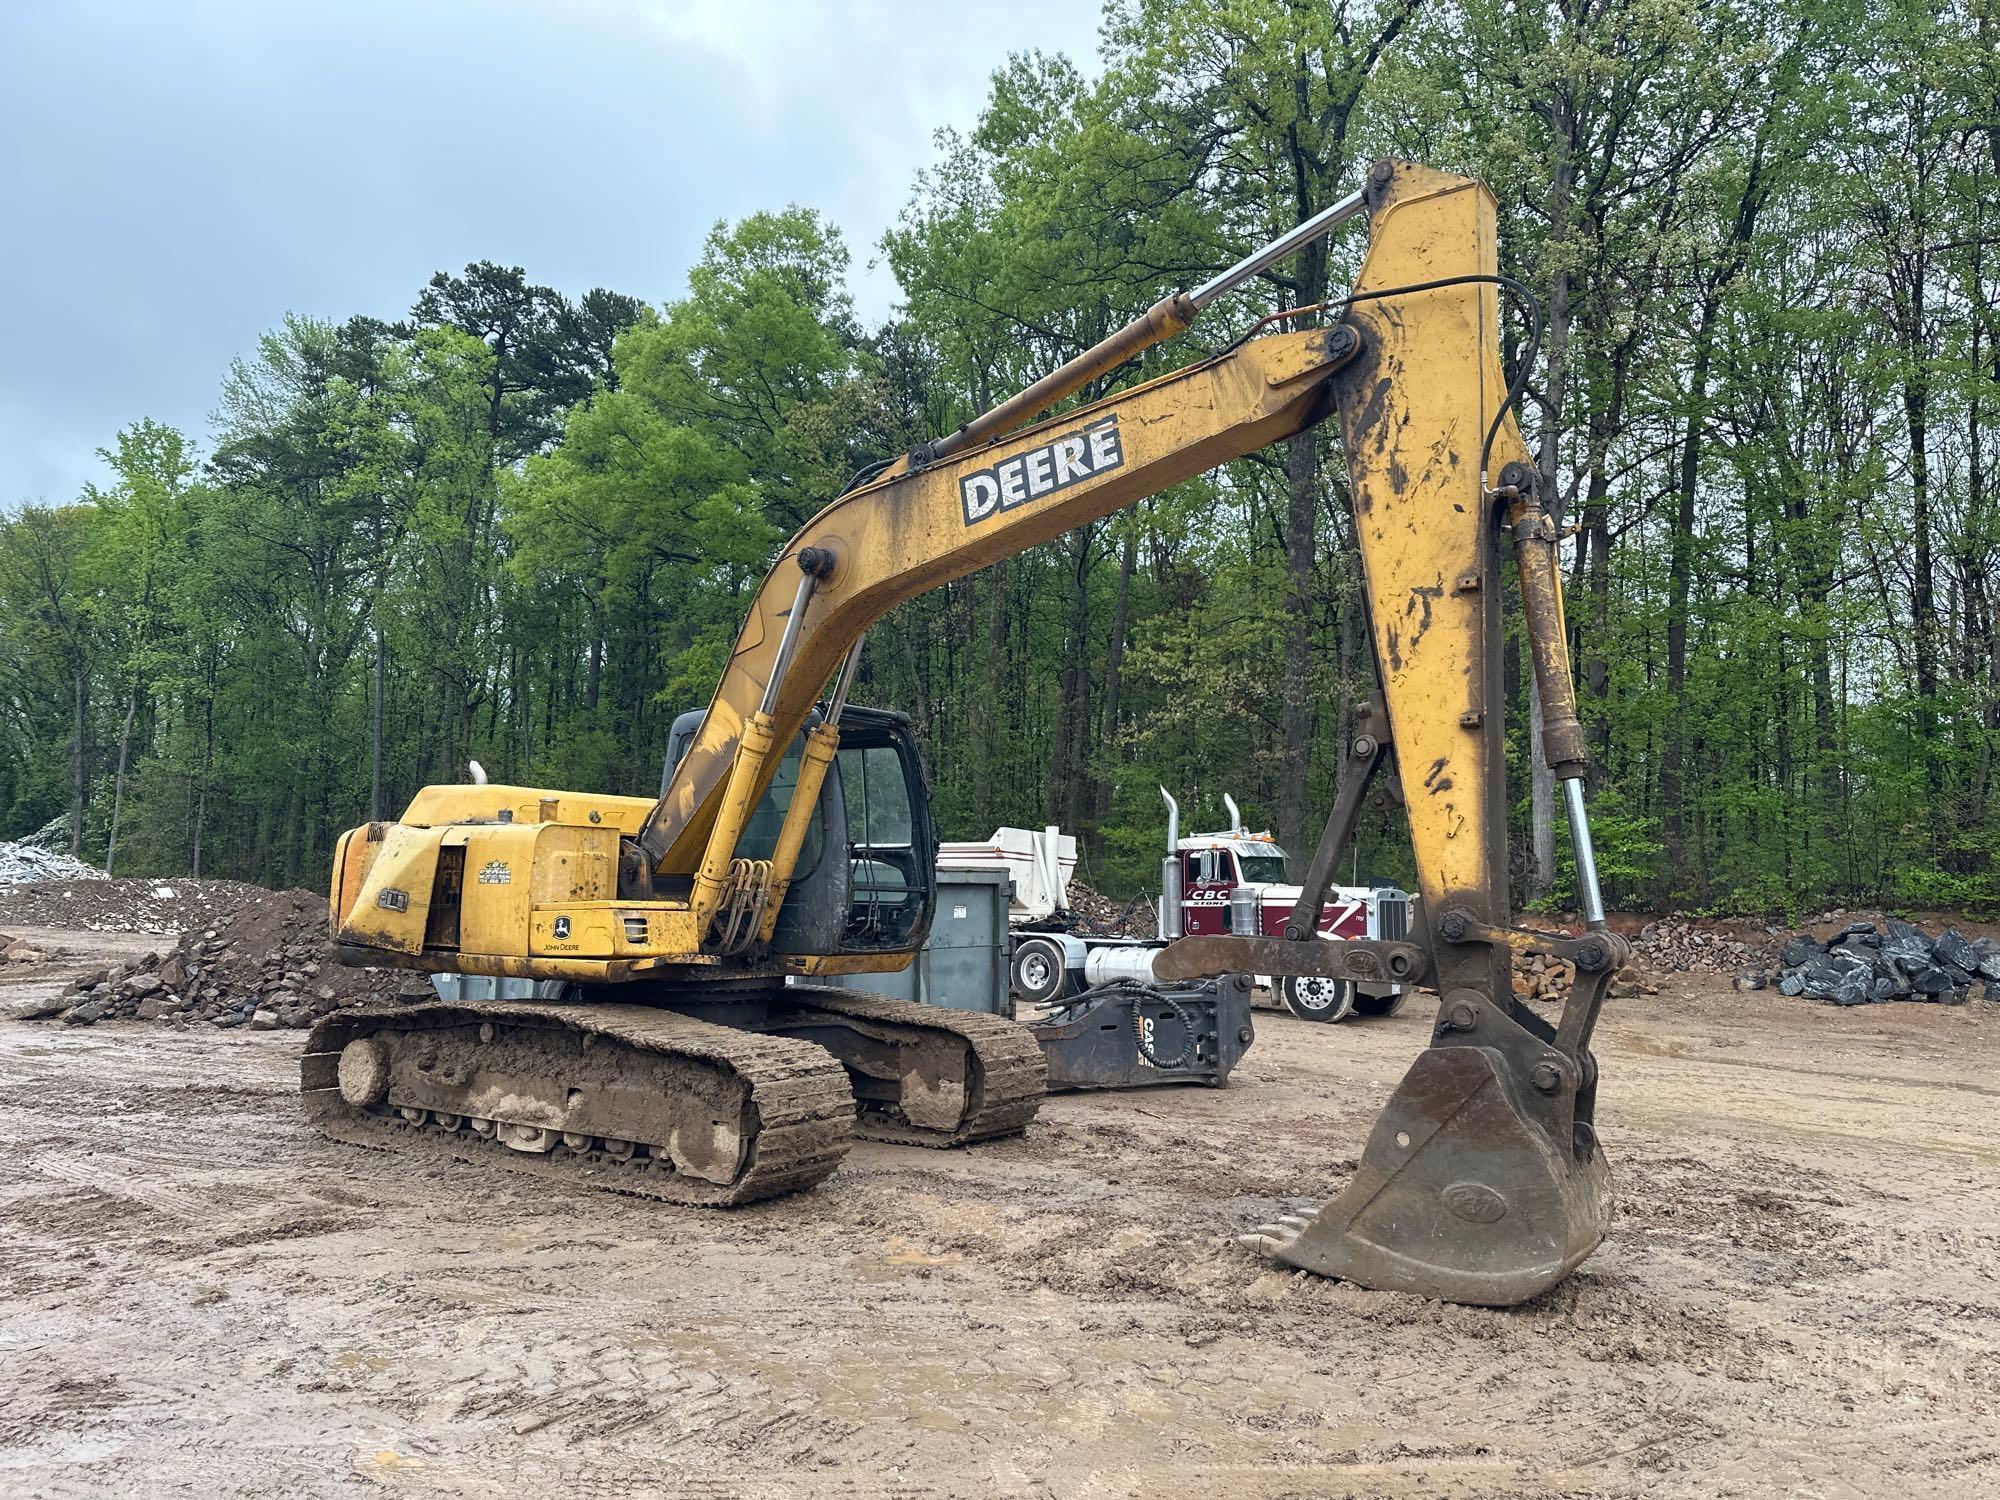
<point>1537,976</point>
<point>1861,964</point>
<point>15,950</point>
<point>1679,945</point>
<point>95,904</point>
<point>266,964</point>
<point>44,855</point>
<point>1101,916</point>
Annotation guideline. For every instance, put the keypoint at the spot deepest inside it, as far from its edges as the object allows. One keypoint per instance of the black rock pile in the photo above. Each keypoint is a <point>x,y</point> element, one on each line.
<point>1860,965</point>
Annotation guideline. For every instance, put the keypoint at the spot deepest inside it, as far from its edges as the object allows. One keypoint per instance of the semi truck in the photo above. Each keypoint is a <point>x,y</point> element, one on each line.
<point>1210,883</point>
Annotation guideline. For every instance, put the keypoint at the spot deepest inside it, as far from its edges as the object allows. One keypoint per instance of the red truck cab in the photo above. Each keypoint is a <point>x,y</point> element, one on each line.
<point>1225,877</point>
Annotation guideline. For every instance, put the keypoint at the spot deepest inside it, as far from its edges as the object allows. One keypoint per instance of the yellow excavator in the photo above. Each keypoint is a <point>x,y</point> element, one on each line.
<point>663,1035</point>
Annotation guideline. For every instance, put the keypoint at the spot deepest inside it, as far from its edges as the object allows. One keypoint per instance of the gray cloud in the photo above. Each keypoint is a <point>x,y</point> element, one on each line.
<point>179,174</point>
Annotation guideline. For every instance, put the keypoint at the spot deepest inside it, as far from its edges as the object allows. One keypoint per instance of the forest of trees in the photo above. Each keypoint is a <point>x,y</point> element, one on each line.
<point>521,526</point>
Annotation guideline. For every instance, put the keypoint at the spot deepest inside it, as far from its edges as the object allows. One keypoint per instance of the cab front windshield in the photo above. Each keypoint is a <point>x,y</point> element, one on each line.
<point>1262,868</point>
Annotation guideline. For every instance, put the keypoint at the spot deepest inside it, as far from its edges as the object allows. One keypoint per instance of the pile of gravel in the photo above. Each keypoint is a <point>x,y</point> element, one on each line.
<point>264,964</point>
<point>1860,965</point>
<point>100,905</point>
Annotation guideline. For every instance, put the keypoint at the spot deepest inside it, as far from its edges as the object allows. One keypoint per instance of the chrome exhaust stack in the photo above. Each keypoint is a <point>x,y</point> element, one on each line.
<point>1170,874</point>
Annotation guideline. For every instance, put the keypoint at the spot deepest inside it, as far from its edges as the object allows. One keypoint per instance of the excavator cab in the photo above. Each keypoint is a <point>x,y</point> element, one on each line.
<point>866,879</point>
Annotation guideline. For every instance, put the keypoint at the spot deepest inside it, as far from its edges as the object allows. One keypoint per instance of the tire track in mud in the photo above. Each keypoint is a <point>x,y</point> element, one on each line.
<point>1061,1314</point>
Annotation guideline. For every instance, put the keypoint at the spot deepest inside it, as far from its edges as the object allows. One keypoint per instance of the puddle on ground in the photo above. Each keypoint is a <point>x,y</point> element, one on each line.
<point>900,1257</point>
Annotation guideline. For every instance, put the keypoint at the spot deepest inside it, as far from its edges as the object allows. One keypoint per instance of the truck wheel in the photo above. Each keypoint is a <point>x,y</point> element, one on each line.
<point>1038,973</point>
<point>1313,999</point>
<point>1375,1006</point>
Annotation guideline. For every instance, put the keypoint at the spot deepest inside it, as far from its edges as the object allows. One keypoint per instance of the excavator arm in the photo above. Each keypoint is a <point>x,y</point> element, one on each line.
<point>1482,1180</point>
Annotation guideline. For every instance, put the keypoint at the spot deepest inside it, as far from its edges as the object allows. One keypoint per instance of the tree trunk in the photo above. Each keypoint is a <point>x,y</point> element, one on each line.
<point>1302,501</point>
<point>1923,602</point>
<point>594,677</point>
<point>79,694</point>
<point>1069,799</point>
<point>207,766</point>
<point>294,817</point>
<point>990,676</point>
<point>1680,582</point>
<point>375,724</point>
<point>1114,666</point>
<point>118,781</point>
<point>200,823</point>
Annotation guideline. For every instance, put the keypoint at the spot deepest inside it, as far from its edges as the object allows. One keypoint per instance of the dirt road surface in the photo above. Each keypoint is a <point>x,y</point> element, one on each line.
<point>1800,1294</point>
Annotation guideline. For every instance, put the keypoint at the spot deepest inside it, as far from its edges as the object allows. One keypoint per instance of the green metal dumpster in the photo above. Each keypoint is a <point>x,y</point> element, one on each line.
<point>963,963</point>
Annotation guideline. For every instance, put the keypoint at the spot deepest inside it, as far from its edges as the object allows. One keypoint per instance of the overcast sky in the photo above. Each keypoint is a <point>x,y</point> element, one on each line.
<point>176,175</point>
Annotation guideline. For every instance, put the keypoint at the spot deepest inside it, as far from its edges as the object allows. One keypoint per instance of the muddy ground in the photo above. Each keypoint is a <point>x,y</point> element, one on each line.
<point>1800,1294</point>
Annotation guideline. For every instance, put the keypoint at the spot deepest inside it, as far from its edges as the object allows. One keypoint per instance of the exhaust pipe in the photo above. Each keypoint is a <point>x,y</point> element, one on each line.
<point>1048,854</point>
<point>1170,874</point>
<point>1235,817</point>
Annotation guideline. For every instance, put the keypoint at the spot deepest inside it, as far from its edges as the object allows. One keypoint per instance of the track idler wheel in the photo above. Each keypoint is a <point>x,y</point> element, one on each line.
<point>1482,1183</point>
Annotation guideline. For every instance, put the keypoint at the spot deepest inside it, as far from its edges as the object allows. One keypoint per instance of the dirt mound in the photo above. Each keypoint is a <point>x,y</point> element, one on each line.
<point>101,905</point>
<point>264,962</point>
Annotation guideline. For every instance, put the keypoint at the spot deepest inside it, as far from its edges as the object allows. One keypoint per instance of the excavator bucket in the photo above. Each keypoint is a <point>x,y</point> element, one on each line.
<point>1475,1187</point>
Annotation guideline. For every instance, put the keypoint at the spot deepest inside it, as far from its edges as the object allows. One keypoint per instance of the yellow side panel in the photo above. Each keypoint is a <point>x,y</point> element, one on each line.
<point>575,864</point>
<point>510,868</point>
<point>436,805</point>
<point>352,856</point>
<point>394,902</point>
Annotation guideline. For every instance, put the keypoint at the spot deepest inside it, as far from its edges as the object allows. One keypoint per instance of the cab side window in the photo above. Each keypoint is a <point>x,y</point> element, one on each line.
<point>889,890</point>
